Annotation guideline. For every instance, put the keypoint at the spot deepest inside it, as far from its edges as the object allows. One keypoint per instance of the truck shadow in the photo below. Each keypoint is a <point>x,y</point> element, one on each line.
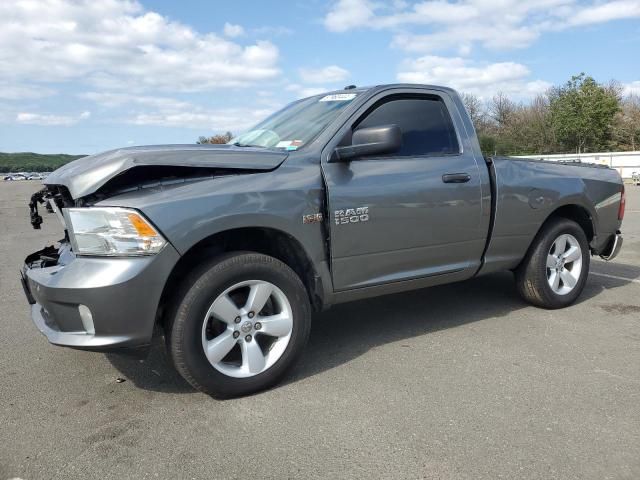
<point>350,330</point>
<point>154,373</point>
<point>347,331</point>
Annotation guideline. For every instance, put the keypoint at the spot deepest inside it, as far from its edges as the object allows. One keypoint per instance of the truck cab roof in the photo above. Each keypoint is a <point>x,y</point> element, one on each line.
<point>371,89</point>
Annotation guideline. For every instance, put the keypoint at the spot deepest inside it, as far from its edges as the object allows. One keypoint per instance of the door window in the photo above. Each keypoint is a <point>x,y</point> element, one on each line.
<point>425,124</point>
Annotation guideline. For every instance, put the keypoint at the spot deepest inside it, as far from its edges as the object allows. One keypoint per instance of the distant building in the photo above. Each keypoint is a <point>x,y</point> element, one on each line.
<point>625,162</point>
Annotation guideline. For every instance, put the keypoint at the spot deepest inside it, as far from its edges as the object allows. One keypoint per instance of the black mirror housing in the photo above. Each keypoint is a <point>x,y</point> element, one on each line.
<point>371,141</point>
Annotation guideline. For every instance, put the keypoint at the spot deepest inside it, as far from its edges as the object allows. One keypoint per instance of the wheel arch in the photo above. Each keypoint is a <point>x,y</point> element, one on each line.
<point>569,211</point>
<point>577,213</point>
<point>532,278</point>
<point>265,240</point>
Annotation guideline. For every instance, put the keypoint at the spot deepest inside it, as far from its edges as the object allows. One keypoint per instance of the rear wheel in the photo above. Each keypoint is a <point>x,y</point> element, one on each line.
<point>555,270</point>
<point>239,324</point>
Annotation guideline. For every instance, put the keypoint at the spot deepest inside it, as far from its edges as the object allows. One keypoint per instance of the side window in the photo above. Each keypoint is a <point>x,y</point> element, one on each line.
<point>425,123</point>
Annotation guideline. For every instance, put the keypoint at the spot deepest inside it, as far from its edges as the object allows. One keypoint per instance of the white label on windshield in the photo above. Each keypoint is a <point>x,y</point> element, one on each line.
<point>338,97</point>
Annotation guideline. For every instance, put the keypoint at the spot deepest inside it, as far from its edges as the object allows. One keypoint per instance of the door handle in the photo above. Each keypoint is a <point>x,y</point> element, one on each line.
<point>456,177</point>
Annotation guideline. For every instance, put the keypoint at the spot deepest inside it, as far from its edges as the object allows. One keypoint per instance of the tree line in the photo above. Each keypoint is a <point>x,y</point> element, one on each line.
<point>580,116</point>
<point>33,162</point>
<point>217,139</point>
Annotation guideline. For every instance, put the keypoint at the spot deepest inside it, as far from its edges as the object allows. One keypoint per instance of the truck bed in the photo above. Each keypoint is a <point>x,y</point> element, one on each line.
<point>527,191</point>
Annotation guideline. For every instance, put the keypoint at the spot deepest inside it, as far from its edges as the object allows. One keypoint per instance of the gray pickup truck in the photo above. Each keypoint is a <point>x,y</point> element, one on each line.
<point>229,249</point>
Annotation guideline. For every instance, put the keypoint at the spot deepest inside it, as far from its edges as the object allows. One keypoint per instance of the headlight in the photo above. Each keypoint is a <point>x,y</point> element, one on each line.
<point>111,231</point>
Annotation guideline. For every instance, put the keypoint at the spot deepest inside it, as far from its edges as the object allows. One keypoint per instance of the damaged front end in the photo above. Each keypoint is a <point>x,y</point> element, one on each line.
<point>100,287</point>
<point>93,302</point>
<point>36,198</point>
<point>53,198</point>
<point>85,298</point>
<point>47,257</point>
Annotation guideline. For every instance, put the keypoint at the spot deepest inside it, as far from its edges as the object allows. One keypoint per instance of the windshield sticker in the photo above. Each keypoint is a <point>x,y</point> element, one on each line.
<point>338,97</point>
<point>290,144</point>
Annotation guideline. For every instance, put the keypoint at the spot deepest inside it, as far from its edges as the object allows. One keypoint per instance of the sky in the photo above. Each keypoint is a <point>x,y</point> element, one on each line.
<point>83,77</point>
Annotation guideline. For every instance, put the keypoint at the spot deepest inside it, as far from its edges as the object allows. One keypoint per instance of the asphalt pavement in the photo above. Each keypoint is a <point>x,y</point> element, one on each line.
<point>463,381</point>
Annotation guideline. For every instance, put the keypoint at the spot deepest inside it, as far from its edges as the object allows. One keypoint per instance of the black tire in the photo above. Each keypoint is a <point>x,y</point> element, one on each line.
<point>531,274</point>
<point>184,327</point>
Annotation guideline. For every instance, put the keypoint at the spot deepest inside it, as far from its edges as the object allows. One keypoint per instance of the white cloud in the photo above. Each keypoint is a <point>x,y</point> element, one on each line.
<point>116,99</point>
<point>329,74</point>
<point>233,119</point>
<point>117,43</point>
<point>632,88</point>
<point>28,118</point>
<point>233,31</point>
<point>272,31</point>
<point>301,92</point>
<point>438,25</point>
<point>471,77</point>
<point>606,12</point>
<point>23,91</point>
<point>464,37</point>
<point>171,112</point>
<point>348,14</point>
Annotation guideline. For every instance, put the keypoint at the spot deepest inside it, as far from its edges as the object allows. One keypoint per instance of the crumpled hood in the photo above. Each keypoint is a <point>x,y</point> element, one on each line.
<point>86,175</point>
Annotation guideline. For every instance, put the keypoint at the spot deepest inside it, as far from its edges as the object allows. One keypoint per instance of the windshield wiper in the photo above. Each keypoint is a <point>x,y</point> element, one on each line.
<point>238,144</point>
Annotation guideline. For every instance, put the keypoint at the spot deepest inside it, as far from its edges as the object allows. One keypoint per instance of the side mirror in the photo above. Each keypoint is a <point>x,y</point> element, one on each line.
<point>370,141</point>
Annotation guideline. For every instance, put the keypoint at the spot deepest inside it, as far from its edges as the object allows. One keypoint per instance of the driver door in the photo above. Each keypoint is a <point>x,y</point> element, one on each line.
<point>395,216</point>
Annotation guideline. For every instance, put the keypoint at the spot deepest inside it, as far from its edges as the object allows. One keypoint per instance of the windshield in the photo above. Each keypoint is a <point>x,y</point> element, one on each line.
<point>296,124</point>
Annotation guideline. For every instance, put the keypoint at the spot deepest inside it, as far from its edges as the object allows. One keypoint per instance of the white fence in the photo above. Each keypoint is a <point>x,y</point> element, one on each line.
<point>625,162</point>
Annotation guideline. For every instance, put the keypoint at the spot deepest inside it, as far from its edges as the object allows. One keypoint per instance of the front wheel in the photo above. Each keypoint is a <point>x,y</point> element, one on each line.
<point>239,324</point>
<point>555,270</point>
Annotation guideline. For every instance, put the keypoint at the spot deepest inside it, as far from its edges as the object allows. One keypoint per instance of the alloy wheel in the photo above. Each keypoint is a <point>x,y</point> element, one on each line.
<point>247,328</point>
<point>564,264</point>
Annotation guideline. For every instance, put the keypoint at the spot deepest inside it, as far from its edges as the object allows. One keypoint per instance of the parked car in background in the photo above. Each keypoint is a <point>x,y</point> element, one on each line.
<point>25,176</point>
<point>228,249</point>
<point>15,176</point>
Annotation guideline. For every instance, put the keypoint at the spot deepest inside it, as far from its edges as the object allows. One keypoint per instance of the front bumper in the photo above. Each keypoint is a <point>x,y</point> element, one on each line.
<point>96,303</point>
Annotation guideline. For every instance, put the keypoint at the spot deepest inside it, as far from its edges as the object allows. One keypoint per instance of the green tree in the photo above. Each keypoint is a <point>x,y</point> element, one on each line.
<point>487,144</point>
<point>474,108</point>
<point>582,113</point>
<point>33,162</point>
<point>529,128</point>
<point>626,128</point>
<point>501,110</point>
<point>218,139</point>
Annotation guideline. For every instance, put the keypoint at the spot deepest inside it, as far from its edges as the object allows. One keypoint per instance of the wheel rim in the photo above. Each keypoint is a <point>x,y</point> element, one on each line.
<point>247,328</point>
<point>564,264</point>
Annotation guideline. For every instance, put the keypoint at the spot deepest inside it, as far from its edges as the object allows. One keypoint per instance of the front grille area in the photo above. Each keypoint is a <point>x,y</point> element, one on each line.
<point>53,198</point>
